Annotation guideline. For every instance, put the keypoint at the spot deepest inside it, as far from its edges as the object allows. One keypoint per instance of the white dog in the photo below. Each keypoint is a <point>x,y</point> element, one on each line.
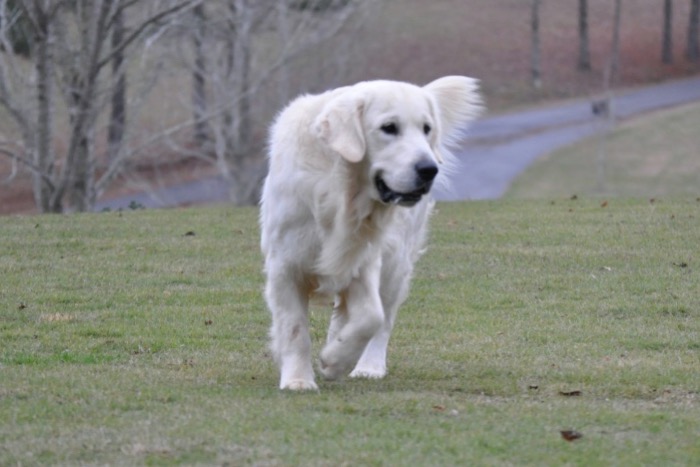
<point>344,211</point>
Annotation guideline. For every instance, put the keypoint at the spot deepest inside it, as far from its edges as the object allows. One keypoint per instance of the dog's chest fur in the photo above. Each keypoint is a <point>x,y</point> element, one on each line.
<point>350,238</point>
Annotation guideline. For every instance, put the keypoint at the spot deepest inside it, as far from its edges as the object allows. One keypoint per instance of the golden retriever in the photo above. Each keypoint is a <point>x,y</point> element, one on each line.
<point>344,211</point>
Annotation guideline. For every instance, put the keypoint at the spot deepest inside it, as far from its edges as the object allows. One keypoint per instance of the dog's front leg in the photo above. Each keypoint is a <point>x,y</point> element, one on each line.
<point>364,316</point>
<point>291,342</point>
<point>396,277</point>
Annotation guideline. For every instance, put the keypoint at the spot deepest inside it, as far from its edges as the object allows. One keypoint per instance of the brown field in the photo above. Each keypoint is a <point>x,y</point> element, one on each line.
<point>417,41</point>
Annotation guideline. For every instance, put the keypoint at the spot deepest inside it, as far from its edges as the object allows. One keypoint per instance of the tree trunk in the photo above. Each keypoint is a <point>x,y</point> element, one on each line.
<point>667,39</point>
<point>536,53</point>
<point>584,56</point>
<point>43,154</point>
<point>117,119</point>
<point>239,153</point>
<point>79,177</point>
<point>81,171</point>
<point>692,52</point>
<point>615,52</point>
<point>243,120</point>
<point>283,31</point>
<point>199,83</point>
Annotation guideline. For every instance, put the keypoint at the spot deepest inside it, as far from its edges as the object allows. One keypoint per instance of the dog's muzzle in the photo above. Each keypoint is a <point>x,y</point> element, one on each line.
<point>425,174</point>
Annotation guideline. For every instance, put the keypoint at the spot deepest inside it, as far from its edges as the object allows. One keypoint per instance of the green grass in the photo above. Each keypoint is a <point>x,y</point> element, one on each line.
<point>653,156</point>
<point>125,341</point>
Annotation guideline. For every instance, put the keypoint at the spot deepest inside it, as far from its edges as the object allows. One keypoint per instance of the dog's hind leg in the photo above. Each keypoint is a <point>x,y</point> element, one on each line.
<point>339,318</point>
<point>290,339</point>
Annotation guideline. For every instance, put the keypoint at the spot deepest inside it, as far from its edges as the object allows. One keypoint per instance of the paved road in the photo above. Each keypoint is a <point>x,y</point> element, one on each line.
<point>497,149</point>
<point>500,148</point>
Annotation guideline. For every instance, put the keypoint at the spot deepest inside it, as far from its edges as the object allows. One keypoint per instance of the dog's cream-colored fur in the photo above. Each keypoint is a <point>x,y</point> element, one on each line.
<point>344,212</point>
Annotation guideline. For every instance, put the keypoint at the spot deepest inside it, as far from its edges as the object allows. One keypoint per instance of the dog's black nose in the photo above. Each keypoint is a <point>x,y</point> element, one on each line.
<point>426,170</point>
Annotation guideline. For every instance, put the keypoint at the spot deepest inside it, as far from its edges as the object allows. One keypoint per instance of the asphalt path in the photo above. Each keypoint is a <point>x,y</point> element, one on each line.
<point>496,149</point>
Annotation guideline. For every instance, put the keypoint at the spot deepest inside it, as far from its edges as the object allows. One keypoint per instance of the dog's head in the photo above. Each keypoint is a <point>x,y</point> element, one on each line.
<point>400,132</point>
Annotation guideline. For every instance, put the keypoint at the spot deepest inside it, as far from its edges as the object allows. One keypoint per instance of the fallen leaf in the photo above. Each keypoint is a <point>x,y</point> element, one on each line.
<point>570,393</point>
<point>571,435</point>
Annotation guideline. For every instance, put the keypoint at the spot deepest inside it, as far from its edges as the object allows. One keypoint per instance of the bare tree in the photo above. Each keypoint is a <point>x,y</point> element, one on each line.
<point>70,47</point>
<point>199,81</point>
<point>536,54</point>
<point>692,52</point>
<point>252,46</point>
<point>667,34</point>
<point>244,56</point>
<point>117,120</point>
<point>30,109</point>
<point>615,49</point>
<point>584,56</point>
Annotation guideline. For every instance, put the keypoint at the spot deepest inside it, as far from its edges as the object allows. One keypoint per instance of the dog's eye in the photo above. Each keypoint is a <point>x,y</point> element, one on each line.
<point>390,128</point>
<point>426,128</point>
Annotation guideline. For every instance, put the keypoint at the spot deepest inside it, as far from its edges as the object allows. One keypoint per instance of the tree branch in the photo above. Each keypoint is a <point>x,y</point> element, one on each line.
<point>26,162</point>
<point>137,32</point>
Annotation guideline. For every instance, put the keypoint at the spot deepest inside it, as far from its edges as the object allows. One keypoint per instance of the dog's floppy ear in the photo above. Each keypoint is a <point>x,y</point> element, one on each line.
<point>458,101</point>
<point>340,126</point>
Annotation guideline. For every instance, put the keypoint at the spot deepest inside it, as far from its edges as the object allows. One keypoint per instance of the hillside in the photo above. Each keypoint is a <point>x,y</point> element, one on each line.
<point>654,156</point>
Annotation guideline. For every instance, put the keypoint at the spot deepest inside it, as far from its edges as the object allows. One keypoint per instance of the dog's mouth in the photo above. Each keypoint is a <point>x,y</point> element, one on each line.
<point>389,196</point>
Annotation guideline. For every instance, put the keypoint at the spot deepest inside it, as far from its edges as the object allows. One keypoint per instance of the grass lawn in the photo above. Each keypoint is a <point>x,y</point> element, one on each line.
<point>140,338</point>
<point>649,157</point>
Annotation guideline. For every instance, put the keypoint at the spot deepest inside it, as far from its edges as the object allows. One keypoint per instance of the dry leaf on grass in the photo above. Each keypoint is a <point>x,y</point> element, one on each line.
<point>571,435</point>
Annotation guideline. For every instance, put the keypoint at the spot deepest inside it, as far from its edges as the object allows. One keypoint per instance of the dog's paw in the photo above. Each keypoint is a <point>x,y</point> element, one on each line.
<point>298,385</point>
<point>331,371</point>
<point>368,373</point>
